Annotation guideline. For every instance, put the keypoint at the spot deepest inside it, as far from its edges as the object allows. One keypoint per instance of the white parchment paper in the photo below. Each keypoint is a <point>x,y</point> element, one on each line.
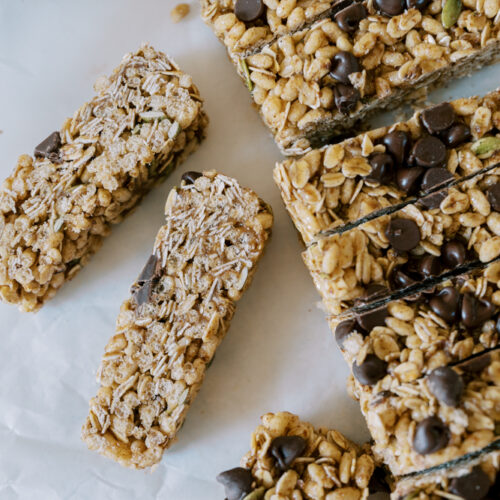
<point>278,355</point>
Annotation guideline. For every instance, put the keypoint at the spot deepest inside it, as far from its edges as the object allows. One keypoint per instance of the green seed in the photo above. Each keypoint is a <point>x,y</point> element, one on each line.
<point>451,12</point>
<point>486,147</point>
<point>246,72</point>
<point>257,494</point>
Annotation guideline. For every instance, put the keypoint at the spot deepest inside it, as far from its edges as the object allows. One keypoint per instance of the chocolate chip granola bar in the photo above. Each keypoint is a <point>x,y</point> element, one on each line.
<point>58,205</point>
<point>178,312</point>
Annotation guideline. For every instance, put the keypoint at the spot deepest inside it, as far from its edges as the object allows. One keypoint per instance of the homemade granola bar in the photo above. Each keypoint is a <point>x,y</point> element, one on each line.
<point>437,420</point>
<point>244,26</point>
<point>385,168</point>
<point>57,206</point>
<point>291,459</point>
<point>408,338</point>
<point>177,314</point>
<point>319,82</point>
<point>446,232</point>
<point>477,481</point>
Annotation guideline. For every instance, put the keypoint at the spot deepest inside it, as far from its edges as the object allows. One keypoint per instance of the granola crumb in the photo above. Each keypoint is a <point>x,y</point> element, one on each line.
<point>179,12</point>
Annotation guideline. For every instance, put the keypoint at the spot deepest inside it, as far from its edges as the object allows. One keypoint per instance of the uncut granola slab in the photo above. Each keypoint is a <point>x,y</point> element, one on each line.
<point>435,421</point>
<point>178,312</point>
<point>318,83</point>
<point>289,458</point>
<point>396,254</point>
<point>408,338</point>
<point>380,170</point>
<point>479,480</point>
<point>57,206</point>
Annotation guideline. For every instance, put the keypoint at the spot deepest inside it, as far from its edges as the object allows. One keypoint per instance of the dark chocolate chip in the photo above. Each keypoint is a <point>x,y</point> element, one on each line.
<point>190,177</point>
<point>453,254</point>
<point>390,7</point>
<point>403,234</point>
<point>142,289</point>
<point>370,371</point>
<point>373,293</point>
<point>346,97</point>
<point>476,311</point>
<point>446,385</point>
<point>456,135</point>
<point>476,364</point>
<point>378,482</point>
<point>435,177</point>
<point>472,486</point>
<point>431,435</point>
<point>493,194</point>
<point>380,397</point>
<point>49,147</point>
<point>343,64</point>
<point>428,152</point>
<point>285,449</point>
<point>417,4</point>
<point>343,331</point>
<point>498,324</point>
<point>348,19</point>
<point>408,179</point>
<point>429,266</point>
<point>438,118</point>
<point>400,279</point>
<point>151,269</point>
<point>446,304</point>
<point>237,483</point>
<point>370,319</point>
<point>397,143</point>
<point>142,292</point>
<point>249,10</point>
<point>382,168</point>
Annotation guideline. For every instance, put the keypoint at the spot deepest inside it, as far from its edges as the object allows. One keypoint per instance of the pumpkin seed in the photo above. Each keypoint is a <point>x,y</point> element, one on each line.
<point>486,147</point>
<point>246,72</point>
<point>451,12</point>
<point>257,494</point>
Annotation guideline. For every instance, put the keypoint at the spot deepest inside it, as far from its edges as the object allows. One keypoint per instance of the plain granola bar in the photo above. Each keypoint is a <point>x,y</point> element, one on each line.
<point>57,206</point>
<point>245,26</point>
<point>377,171</point>
<point>435,421</point>
<point>178,312</point>
<point>289,458</point>
<point>408,338</point>
<point>396,254</point>
<point>320,82</point>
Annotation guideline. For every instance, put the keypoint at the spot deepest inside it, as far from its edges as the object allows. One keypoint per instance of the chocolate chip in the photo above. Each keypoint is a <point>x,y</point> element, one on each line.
<point>429,266</point>
<point>348,19</point>
<point>403,234</point>
<point>343,64</point>
<point>431,435</point>
<point>476,311</point>
<point>390,7</point>
<point>343,330</point>
<point>142,289</point>
<point>285,449</point>
<point>397,143</point>
<point>49,148</point>
<point>498,324</point>
<point>400,279</point>
<point>417,4</point>
<point>446,304</point>
<point>190,177</point>
<point>428,152</point>
<point>370,371</point>
<point>456,135</point>
<point>382,168</point>
<point>249,10</point>
<point>446,385</point>
<point>378,482</point>
<point>380,397</point>
<point>438,118</point>
<point>373,293</point>
<point>370,319</point>
<point>237,483</point>
<point>151,269</point>
<point>408,179</point>
<point>435,177</point>
<point>346,97</point>
<point>476,363</point>
<point>472,486</point>
<point>453,254</point>
<point>493,194</point>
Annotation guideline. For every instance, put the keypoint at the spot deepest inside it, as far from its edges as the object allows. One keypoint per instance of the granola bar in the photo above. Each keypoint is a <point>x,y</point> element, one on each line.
<point>408,338</point>
<point>395,254</point>
<point>245,26</point>
<point>57,206</point>
<point>381,170</point>
<point>477,481</point>
<point>291,459</point>
<point>435,421</point>
<point>318,83</point>
<point>178,312</point>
